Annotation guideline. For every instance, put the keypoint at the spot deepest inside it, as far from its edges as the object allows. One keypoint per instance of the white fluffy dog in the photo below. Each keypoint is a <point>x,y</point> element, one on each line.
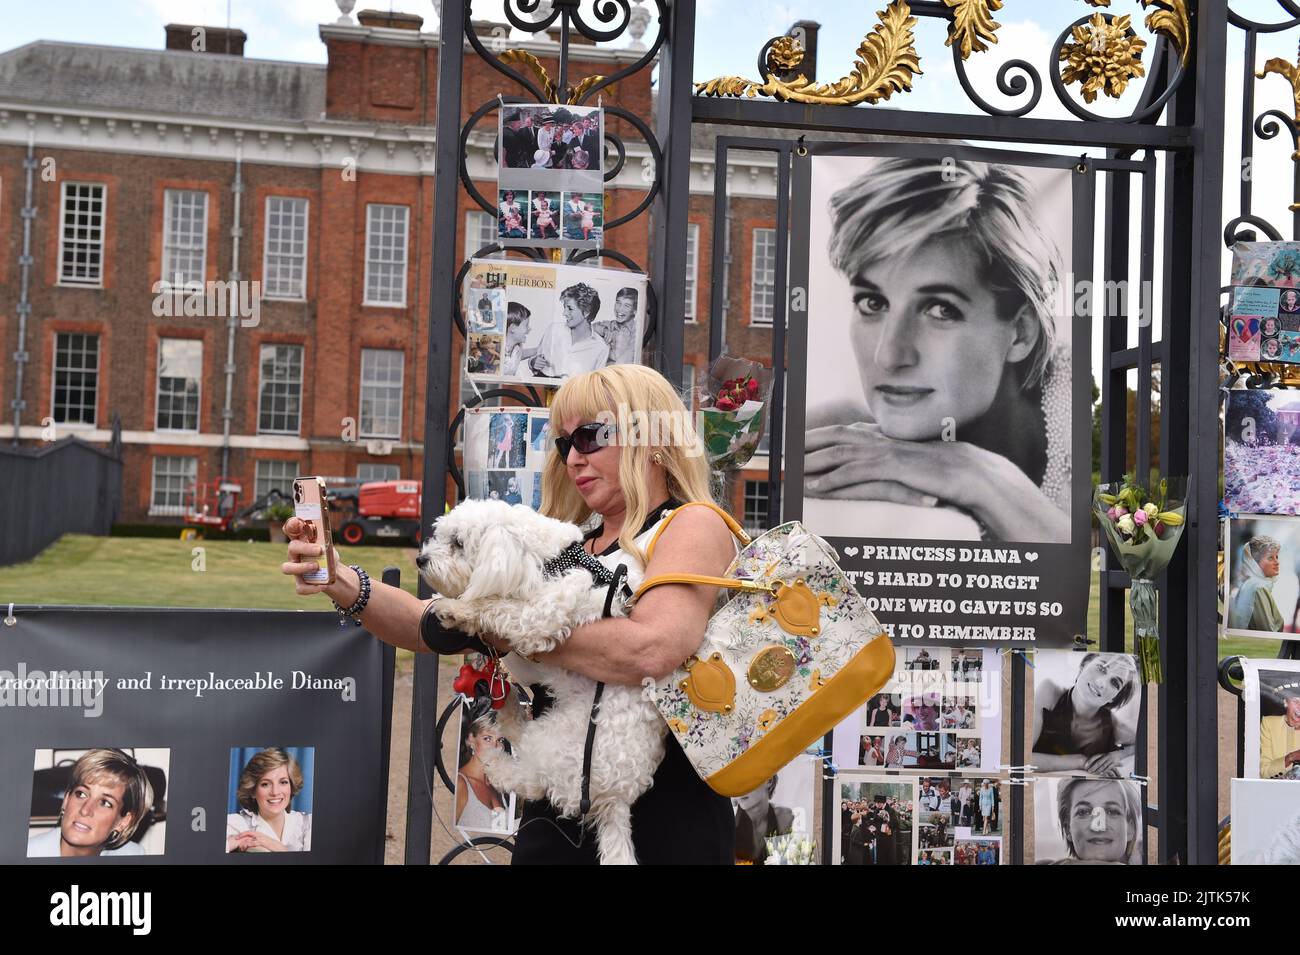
<point>487,559</point>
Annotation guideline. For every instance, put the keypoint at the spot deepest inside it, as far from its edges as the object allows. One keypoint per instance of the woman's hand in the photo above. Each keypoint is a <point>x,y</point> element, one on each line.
<point>304,558</point>
<point>859,462</point>
<point>1105,764</point>
<point>269,843</point>
<point>240,842</point>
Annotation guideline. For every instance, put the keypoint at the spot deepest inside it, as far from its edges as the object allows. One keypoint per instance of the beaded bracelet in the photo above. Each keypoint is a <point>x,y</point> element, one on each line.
<point>362,597</point>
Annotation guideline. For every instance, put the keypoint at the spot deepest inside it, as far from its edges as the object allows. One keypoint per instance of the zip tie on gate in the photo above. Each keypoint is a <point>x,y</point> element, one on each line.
<point>10,619</point>
<point>1140,780</point>
<point>1026,768</point>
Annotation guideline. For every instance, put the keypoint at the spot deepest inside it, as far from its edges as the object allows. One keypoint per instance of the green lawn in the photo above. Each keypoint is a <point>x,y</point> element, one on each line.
<point>154,572</point>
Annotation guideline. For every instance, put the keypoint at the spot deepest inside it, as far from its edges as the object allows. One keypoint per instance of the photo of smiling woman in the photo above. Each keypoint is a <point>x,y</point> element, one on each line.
<point>942,277</point>
<point>265,790</point>
<point>1085,712</point>
<point>1088,821</point>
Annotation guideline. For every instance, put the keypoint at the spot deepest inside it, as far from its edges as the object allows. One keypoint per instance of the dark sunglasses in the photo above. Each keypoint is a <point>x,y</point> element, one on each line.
<point>587,438</point>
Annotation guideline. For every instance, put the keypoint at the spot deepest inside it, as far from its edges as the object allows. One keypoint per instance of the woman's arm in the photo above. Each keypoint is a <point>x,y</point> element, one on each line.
<point>391,614</point>
<point>667,624</point>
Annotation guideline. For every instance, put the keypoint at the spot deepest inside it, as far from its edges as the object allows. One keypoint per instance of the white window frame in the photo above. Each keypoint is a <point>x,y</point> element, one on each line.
<point>258,477</point>
<point>262,383</point>
<point>758,525</point>
<point>692,273</point>
<point>768,288</point>
<point>376,464</point>
<point>54,382</point>
<point>373,218</point>
<point>480,226</point>
<point>189,474</point>
<point>157,386</point>
<point>266,248</point>
<point>169,273</point>
<point>400,385</point>
<point>98,242</point>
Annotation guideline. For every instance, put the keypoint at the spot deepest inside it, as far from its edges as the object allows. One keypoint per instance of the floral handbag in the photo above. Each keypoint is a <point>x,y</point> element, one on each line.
<point>789,656</point>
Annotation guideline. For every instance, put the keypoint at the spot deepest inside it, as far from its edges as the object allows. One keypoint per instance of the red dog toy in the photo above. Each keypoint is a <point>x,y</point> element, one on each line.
<point>469,679</point>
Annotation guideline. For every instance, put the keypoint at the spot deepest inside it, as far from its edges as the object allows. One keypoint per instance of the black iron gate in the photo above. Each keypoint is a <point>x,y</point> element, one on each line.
<point>1173,137</point>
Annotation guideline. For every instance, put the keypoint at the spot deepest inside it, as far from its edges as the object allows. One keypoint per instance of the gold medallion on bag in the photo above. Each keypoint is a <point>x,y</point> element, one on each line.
<point>771,668</point>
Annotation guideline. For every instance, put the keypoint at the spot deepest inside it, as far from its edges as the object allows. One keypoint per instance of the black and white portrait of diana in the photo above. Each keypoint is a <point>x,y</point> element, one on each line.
<point>939,332</point>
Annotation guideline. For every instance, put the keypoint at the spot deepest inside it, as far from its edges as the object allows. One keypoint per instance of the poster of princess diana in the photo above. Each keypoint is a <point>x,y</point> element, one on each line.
<point>942,358</point>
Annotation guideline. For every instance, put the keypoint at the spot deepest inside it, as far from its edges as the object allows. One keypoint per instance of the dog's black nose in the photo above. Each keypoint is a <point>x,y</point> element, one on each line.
<point>421,561</point>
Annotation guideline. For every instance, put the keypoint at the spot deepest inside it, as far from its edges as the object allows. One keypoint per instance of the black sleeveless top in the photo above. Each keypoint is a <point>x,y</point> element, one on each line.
<point>1057,735</point>
<point>678,821</point>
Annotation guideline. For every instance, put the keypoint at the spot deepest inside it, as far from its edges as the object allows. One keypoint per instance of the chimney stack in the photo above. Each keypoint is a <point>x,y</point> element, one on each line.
<point>196,39</point>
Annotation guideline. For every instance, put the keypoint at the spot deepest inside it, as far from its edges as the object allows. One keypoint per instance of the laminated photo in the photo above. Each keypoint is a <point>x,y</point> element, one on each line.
<point>877,824</point>
<point>505,450</point>
<point>1261,452</point>
<point>1271,731</point>
<point>1085,713</point>
<point>942,360</point>
<point>550,176</point>
<point>1261,576</point>
<point>1265,822</point>
<point>780,806</point>
<point>941,711</point>
<point>480,808</point>
<point>557,320</point>
<point>98,803</point>
<point>1088,821</point>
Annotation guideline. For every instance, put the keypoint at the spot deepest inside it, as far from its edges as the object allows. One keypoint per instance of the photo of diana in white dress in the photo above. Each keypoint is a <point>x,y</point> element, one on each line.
<point>939,299</point>
<point>266,820</point>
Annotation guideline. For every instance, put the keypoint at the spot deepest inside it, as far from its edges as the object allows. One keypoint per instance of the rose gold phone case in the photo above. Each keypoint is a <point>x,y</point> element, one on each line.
<point>310,506</point>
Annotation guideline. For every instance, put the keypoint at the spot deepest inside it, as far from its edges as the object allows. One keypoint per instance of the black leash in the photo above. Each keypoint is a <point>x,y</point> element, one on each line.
<point>618,577</point>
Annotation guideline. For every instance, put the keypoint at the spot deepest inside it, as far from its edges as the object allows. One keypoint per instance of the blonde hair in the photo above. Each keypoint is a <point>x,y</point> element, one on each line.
<point>113,765</point>
<point>633,390</point>
<point>257,767</point>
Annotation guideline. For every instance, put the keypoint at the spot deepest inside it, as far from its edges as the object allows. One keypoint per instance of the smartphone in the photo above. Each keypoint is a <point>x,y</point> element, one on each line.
<point>309,506</point>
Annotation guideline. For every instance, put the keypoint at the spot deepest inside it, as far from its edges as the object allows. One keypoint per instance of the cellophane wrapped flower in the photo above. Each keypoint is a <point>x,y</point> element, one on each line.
<point>789,849</point>
<point>732,409</point>
<point>1143,528</point>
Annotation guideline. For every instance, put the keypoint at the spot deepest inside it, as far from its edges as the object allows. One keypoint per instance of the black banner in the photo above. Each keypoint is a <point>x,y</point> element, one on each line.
<point>192,736</point>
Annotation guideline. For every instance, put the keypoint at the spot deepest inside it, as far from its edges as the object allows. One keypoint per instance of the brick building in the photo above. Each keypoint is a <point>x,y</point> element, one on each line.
<point>123,170</point>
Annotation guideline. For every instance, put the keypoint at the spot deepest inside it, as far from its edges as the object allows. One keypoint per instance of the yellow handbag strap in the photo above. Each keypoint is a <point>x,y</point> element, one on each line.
<point>735,528</point>
<point>726,582</point>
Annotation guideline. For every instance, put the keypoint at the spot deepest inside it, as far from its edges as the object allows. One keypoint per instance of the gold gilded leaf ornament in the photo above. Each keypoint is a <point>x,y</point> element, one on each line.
<point>886,62</point>
<point>1172,19</point>
<point>1103,57</point>
<point>972,25</point>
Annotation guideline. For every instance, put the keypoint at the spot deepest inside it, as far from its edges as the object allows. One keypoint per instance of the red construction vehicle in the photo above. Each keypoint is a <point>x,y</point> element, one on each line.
<point>386,509</point>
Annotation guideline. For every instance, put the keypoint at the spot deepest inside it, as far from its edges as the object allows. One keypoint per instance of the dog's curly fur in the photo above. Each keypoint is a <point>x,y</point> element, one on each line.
<point>486,559</point>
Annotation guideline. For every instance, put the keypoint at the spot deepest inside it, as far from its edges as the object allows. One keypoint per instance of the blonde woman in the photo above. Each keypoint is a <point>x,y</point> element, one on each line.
<point>108,797</point>
<point>266,821</point>
<point>625,485</point>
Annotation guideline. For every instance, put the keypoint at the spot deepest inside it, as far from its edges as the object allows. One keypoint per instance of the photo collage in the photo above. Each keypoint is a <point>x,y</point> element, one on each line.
<point>896,820</point>
<point>1264,314</point>
<point>541,323</point>
<point>505,449</point>
<point>551,181</point>
<point>932,715</point>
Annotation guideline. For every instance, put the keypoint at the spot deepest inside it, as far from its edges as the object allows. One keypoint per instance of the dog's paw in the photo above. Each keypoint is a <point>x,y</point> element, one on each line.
<point>531,644</point>
<point>454,614</point>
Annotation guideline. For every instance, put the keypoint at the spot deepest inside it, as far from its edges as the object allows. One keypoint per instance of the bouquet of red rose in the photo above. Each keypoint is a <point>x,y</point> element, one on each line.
<point>732,410</point>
